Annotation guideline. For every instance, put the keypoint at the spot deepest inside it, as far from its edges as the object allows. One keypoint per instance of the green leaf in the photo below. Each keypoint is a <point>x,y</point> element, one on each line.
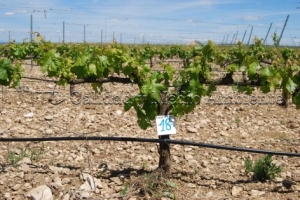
<point>265,88</point>
<point>128,104</point>
<point>97,86</point>
<point>80,60</point>
<point>296,99</point>
<point>3,74</point>
<point>232,68</point>
<point>266,72</point>
<point>252,71</point>
<point>290,86</point>
<point>92,69</point>
<point>171,184</point>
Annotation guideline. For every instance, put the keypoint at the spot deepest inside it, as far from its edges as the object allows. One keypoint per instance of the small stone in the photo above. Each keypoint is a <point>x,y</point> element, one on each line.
<point>236,190</point>
<point>49,131</point>
<point>204,163</point>
<point>188,157</point>
<point>25,160</point>
<point>49,118</point>
<point>16,187</point>
<point>223,133</point>
<point>257,193</point>
<point>86,186</point>
<point>42,192</point>
<point>66,197</point>
<point>85,195</point>
<point>7,195</point>
<point>224,159</point>
<point>278,180</point>
<point>24,168</point>
<point>219,114</point>
<point>191,130</point>
<point>116,180</point>
<point>209,194</point>
<point>65,181</point>
<point>119,112</point>
<point>29,115</point>
<point>191,185</point>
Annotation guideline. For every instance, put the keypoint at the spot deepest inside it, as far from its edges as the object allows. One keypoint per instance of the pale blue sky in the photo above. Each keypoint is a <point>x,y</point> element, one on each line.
<point>156,21</point>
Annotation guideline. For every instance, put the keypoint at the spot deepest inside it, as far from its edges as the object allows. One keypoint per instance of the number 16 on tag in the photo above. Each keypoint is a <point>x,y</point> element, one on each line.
<point>165,125</point>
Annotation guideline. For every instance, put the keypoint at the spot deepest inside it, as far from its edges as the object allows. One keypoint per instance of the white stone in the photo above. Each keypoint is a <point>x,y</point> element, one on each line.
<point>257,193</point>
<point>236,190</point>
<point>119,112</point>
<point>28,115</point>
<point>191,130</point>
<point>40,193</point>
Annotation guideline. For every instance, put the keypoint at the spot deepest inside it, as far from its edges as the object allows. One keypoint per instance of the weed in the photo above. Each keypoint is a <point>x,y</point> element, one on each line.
<point>155,185</point>
<point>237,121</point>
<point>145,166</point>
<point>32,153</point>
<point>123,192</point>
<point>263,169</point>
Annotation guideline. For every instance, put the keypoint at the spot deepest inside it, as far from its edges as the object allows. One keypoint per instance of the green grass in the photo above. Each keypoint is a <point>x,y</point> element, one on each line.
<point>263,169</point>
<point>31,153</point>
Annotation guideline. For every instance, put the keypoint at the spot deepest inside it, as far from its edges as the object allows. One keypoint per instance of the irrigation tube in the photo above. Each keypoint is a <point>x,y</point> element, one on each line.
<point>124,139</point>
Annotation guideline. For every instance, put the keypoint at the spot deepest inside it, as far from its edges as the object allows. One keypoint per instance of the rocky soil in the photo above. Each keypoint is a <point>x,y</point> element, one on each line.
<point>75,169</point>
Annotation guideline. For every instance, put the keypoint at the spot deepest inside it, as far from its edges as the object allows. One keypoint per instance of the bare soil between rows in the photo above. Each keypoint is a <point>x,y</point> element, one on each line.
<point>199,173</point>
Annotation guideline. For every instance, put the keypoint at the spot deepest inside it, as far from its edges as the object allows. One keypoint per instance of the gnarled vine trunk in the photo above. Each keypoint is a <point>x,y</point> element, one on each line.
<point>164,148</point>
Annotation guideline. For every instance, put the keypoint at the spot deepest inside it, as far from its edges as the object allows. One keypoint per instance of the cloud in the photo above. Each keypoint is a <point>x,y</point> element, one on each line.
<point>20,11</point>
<point>9,13</point>
<point>253,18</point>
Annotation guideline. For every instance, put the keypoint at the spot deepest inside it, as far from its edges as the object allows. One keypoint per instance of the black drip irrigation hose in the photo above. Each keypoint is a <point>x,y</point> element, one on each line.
<point>129,139</point>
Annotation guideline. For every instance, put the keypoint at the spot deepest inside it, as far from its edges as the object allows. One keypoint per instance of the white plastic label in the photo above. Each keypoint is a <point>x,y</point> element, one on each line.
<point>165,125</point>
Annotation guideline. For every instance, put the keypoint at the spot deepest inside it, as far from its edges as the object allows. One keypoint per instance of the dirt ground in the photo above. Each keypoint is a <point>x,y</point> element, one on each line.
<point>67,167</point>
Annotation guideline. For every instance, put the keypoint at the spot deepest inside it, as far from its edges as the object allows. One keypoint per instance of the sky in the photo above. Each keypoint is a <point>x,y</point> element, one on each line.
<point>151,21</point>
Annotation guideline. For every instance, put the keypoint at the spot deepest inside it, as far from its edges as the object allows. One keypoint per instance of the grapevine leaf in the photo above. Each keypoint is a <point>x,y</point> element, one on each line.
<point>247,89</point>
<point>290,86</point>
<point>211,88</point>
<point>232,68</point>
<point>265,72</point>
<point>62,81</point>
<point>97,86</point>
<point>265,88</point>
<point>252,71</point>
<point>92,69</point>
<point>6,72</point>
<point>80,61</point>
<point>296,99</point>
<point>243,68</point>
<point>127,105</point>
<point>3,74</point>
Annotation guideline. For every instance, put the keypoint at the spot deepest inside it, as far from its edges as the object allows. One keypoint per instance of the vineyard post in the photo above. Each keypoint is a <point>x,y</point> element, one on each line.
<point>226,39</point>
<point>236,37</point>
<point>244,36</point>
<point>30,28</point>
<point>63,32</point>
<point>267,34</point>
<point>232,39</point>
<point>84,33</point>
<point>250,36</point>
<point>283,30</point>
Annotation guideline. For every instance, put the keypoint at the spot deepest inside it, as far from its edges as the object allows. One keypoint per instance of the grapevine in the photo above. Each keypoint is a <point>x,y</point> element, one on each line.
<point>163,92</point>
